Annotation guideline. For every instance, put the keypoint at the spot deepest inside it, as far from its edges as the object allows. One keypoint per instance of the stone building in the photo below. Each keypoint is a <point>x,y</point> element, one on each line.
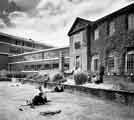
<point>79,43</point>
<point>108,42</point>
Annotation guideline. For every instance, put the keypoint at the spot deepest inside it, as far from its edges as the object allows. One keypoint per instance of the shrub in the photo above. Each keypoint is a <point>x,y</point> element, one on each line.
<point>80,78</point>
<point>9,75</point>
<point>120,85</point>
<point>58,77</point>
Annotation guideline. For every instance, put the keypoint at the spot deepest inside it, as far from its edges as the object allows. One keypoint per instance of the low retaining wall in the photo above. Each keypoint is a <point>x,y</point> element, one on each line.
<point>119,96</point>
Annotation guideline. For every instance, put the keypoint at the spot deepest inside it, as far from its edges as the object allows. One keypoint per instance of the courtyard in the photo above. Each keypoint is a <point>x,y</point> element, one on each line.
<point>72,106</point>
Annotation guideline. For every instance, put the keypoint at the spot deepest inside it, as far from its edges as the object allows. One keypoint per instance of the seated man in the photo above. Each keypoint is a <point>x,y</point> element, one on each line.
<point>59,88</point>
<point>94,78</point>
<point>39,99</point>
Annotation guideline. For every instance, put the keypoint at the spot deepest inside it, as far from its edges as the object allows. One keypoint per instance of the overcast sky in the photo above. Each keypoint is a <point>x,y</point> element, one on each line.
<point>48,21</point>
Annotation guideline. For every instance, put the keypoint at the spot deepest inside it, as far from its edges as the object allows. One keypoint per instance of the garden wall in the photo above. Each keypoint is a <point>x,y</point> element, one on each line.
<point>119,96</point>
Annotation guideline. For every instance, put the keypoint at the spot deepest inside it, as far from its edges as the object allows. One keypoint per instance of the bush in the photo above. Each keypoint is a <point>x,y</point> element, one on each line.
<point>9,75</point>
<point>80,78</point>
<point>58,77</point>
<point>120,85</point>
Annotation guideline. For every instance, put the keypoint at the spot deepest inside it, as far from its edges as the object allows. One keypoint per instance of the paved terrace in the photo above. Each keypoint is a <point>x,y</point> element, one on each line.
<point>73,107</point>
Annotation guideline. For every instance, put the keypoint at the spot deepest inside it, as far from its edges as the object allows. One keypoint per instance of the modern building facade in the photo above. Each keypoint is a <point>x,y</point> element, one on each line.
<point>107,42</point>
<point>16,45</point>
<point>12,45</point>
<point>54,59</point>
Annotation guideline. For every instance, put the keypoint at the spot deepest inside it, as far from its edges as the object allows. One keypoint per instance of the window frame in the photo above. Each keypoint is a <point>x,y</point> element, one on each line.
<point>111,29</point>
<point>96,33</point>
<point>130,21</point>
<point>94,57</point>
<point>77,45</point>
<point>111,64</point>
<point>77,61</point>
<point>96,64</point>
<point>131,70</point>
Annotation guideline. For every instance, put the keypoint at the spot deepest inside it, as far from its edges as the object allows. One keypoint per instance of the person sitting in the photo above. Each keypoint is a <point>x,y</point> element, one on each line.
<point>59,88</point>
<point>94,78</point>
<point>39,99</point>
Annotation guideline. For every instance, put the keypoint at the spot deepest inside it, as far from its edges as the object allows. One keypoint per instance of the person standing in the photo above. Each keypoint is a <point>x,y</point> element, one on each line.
<point>101,74</point>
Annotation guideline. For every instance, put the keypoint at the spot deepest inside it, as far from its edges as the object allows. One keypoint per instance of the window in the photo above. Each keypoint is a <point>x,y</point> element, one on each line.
<point>131,21</point>
<point>111,64</point>
<point>77,45</point>
<point>76,40</point>
<point>55,65</point>
<point>96,61</point>
<point>77,62</point>
<point>47,66</point>
<point>96,34</point>
<point>111,28</point>
<point>130,62</point>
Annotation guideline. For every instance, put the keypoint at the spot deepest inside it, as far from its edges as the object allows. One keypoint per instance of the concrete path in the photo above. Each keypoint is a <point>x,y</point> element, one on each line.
<point>73,107</point>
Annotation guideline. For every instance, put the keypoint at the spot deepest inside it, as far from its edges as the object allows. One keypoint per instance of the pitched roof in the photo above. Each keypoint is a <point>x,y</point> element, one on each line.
<point>79,24</point>
<point>127,9</point>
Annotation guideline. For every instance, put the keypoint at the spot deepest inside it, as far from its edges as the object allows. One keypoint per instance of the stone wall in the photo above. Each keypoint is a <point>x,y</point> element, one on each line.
<point>120,96</point>
<point>82,51</point>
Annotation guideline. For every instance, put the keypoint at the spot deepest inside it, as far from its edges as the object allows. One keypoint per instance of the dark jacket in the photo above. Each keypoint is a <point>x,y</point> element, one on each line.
<point>39,100</point>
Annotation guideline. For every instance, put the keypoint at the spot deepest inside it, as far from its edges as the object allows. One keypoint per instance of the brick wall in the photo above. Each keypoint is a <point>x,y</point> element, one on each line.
<point>118,42</point>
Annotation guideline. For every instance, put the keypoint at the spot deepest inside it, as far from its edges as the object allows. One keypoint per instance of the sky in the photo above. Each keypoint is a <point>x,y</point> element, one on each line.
<point>48,21</point>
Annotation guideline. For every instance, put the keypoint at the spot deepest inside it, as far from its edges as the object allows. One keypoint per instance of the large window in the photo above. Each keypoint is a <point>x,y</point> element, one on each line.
<point>55,65</point>
<point>51,54</point>
<point>96,61</point>
<point>131,21</point>
<point>111,28</point>
<point>77,40</point>
<point>77,45</point>
<point>96,34</point>
<point>36,56</point>
<point>77,62</point>
<point>111,64</point>
<point>130,62</point>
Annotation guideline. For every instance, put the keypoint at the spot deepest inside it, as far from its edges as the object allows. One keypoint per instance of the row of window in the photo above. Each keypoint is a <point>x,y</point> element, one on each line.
<point>111,64</point>
<point>41,55</point>
<point>30,44</point>
<point>41,67</point>
<point>15,50</point>
<point>111,27</point>
<point>38,67</point>
<point>110,31</point>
